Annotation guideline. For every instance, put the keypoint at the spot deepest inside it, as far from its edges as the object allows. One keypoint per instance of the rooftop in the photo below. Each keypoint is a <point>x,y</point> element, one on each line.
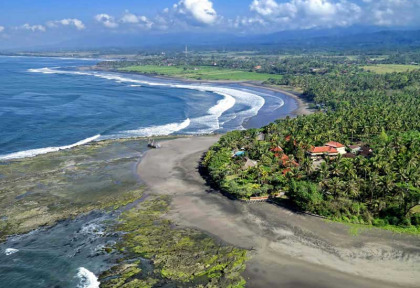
<point>323,149</point>
<point>334,144</point>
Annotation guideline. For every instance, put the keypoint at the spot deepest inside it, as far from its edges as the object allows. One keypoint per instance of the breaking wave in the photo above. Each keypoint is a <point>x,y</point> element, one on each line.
<point>210,120</point>
<point>34,152</point>
<point>10,251</point>
<point>160,130</point>
<point>87,279</point>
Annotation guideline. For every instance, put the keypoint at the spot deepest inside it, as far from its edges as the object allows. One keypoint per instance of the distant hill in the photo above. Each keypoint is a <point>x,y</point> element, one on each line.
<point>324,39</point>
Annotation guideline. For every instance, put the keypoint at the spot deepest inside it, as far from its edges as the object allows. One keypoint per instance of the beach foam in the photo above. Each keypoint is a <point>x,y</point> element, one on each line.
<point>34,152</point>
<point>87,279</point>
<point>208,123</point>
<point>160,130</point>
<point>10,251</point>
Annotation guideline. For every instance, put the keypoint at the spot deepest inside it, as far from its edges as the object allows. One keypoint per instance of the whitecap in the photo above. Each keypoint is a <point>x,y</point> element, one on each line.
<point>87,279</point>
<point>160,130</point>
<point>10,251</point>
<point>39,151</point>
<point>231,96</point>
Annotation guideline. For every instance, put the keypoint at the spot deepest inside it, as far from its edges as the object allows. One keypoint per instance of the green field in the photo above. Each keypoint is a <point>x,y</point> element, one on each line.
<point>390,68</point>
<point>201,73</point>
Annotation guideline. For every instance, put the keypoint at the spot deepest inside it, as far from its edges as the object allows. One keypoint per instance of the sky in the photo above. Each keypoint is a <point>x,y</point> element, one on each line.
<point>48,21</point>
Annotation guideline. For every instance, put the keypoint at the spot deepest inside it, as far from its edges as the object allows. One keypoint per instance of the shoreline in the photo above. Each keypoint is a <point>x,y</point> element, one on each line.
<point>287,249</point>
<point>260,121</point>
<point>303,104</point>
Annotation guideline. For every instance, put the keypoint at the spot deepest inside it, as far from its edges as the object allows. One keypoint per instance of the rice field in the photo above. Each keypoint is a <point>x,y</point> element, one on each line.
<point>201,73</point>
<point>390,68</point>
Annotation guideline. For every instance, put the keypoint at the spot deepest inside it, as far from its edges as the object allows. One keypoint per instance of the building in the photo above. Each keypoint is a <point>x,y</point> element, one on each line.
<point>319,152</point>
<point>355,148</point>
<point>286,162</point>
<point>261,137</point>
<point>249,164</point>
<point>338,146</point>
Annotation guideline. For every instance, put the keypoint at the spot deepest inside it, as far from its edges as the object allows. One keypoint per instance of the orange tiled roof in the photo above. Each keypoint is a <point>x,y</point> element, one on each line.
<point>285,161</point>
<point>277,149</point>
<point>323,149</point>
<point>334,144</point>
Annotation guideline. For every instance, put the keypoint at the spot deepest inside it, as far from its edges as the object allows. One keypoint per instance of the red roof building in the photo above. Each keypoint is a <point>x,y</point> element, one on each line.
<point>285,161</point>
<point>323,149</point>
<point>340,147</point>
<point>277,149</point>
<point>335,144</point>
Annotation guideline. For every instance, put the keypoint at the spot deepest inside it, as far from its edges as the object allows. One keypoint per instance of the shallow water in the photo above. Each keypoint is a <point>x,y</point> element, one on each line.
<point>47,104</point>
<point>66,255</point>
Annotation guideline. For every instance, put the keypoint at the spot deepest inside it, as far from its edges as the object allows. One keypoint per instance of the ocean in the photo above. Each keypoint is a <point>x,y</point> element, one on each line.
<point>48,104</point>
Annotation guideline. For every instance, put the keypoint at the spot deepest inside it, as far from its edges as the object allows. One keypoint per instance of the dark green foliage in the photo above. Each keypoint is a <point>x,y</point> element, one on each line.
<point>382,111</point>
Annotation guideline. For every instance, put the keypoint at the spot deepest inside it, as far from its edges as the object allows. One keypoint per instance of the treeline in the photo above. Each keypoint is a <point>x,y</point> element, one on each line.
<point>382,111</point>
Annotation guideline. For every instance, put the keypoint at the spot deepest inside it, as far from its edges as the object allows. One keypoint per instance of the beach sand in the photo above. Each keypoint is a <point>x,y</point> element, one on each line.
<point>286,249</point>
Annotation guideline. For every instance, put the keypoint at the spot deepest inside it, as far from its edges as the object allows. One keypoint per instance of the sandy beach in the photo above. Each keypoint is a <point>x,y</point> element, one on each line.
<point>286,249</point>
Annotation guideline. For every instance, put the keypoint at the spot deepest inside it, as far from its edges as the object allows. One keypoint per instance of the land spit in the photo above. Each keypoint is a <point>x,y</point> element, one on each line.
<point>286,249</point>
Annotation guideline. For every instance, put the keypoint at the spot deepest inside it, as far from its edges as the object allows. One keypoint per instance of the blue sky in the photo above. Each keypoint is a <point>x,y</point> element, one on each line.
<point>34,21</point>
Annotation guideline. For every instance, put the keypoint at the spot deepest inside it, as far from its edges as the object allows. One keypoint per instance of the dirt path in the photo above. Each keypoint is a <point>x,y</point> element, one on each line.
<point>287,249</point>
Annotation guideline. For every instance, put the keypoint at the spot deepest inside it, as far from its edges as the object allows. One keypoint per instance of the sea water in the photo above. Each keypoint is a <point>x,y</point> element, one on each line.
<point>48,104</point>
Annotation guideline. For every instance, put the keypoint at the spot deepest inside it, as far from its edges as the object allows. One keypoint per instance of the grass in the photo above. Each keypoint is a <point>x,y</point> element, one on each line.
<point>201,73</point>
<point>390,68</point>
<point>355,229</point>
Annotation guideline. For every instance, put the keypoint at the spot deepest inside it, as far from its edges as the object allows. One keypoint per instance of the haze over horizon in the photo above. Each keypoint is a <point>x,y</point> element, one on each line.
<point>53,23</point>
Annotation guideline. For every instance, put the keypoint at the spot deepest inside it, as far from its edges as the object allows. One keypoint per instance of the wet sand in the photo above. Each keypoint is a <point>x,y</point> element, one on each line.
<point>286,249</point>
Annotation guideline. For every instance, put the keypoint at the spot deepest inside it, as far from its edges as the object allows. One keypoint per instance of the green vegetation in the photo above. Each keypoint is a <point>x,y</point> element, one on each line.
<point>182,257</point>
<point>45,189</point>
<point>381,188</point>
<point>390,68</point>
<point>52,187</point>
<point>200,73</point>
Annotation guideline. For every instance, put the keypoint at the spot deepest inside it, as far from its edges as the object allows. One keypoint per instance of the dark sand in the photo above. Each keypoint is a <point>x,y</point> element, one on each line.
<point>286,249</point>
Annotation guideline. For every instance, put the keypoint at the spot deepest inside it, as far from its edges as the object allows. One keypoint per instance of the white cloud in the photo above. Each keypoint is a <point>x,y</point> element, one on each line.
<point>201,11</point>
<point>141,21</point>
<point>393,12</point>
<point>1,29</point>
<point>67,22</point>
<point>303,14</point>
<point>129,18</point>
<point>264,7</point>
<point>106,20</point>
<point>33,28</point>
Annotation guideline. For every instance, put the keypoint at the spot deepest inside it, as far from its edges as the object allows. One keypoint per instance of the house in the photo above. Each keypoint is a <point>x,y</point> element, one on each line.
<point>319,152</point>
<point>285,161</point>
<point>249,164</point>
<point>258,67</point>
<point>261,137</point>
<point>277,151</point>
<point>354,148</point>
<point>338,146</point>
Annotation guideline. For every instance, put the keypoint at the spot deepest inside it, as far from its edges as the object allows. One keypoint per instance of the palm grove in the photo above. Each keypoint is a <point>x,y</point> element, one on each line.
<point>354,106</point>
